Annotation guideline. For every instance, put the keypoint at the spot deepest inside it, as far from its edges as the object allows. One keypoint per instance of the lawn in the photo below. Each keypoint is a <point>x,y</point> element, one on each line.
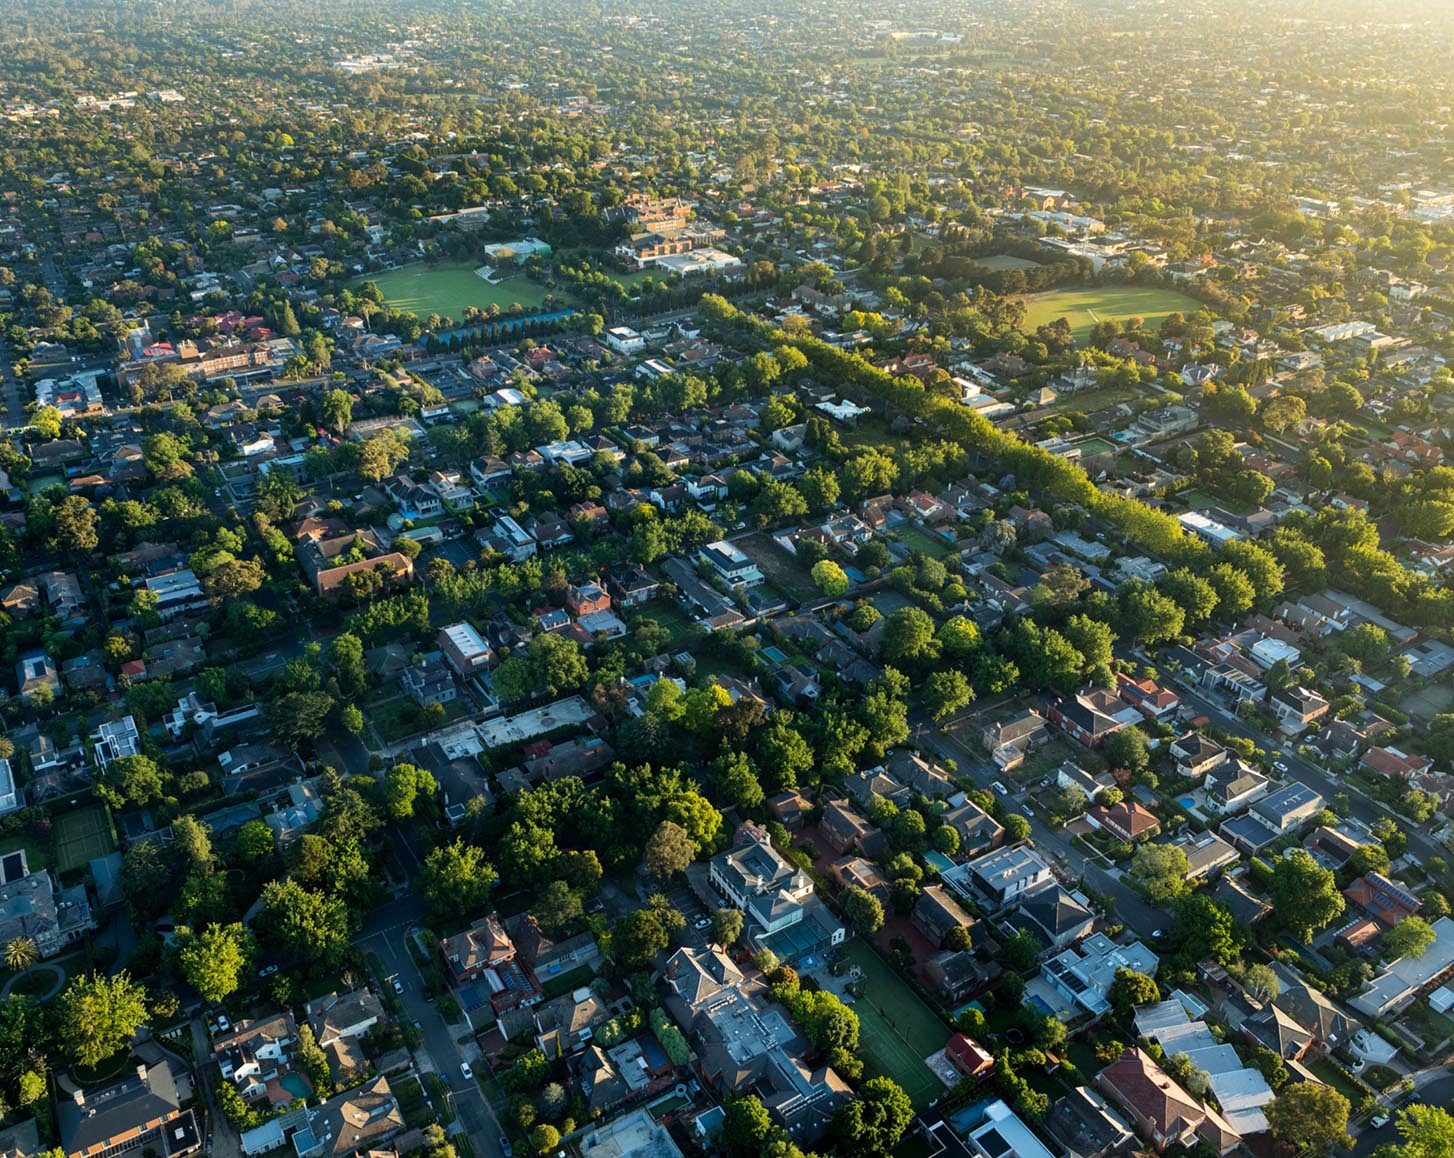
<point>920,540</point>
<point>80,837</point>
<point>897,1031</point>
<point>1425,703</point>
<point>1087,305</point>
<point>1006,261</point>
<point>446,288</point>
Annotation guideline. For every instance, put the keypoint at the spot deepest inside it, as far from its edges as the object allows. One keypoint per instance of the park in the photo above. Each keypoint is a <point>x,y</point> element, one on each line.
<point>1084,306</point>
<point>449,288</point>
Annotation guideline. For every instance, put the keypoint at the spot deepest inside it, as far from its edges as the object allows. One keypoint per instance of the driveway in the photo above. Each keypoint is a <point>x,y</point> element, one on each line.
<point>222,1140</point>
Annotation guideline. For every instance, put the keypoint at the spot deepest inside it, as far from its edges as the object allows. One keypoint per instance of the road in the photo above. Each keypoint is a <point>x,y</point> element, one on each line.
<point>15,417</point>
<point>1434,1088</point>
<point>386,933</point>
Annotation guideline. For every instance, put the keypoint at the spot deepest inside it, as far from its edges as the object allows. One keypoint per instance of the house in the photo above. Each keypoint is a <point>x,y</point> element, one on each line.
<point>10,796</point>
<point>64,597</point>
<point>755,878</point>
<point>360,1119</point>
<point>855,872</point>
<point>34,906</point>
<point>844,829</point>
<point>958,975</point>
<point>565,1025</point>
<point>1128,821</point>
<point>586,599</point>
<point>142,1111</point>
<point>255,1053</point>
<point>115,740</point>
<point>1196,755</point>
<point>977,829</point>
<point>789,809</point>
<point>484,952</point>
<point>697,976</point>
<point>1396,763</point>
<point>1298,707</point>
<point>1206,853</point>
<point>634,1135</point>
<point>395,570</point>
<point>1082,1123</point>
<point>464,649</point>
<point>1147,696</point>
<point>630,586</point>
<point>864,787</point>
<point>1004,875</point>
<point>1055,915</point>
<point>1386,901</point>
<point>1084,718</point>
<point>20,600</point>
<point>1232,786</point>
<point>1091,784</point>
<point>1403,980</point>
<point>969,1057</point>
<point>1009,741</point>
<point>1328,1025</point>
<point>337,1017</point>
<point>936,913</point>
<point>36,674</point>
<point>429,682</point>
<point>1003,1134</point>
<point>547,957</point>
<point>730,564</point>
<point>1163,1113</point>
<point>1083,976</point>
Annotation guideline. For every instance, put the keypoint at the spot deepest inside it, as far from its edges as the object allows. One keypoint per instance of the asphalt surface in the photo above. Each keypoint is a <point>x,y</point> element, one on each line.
<point>386,933</point>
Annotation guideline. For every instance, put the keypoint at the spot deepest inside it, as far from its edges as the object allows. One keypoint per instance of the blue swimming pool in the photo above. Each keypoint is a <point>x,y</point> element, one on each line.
<point>296,1084</point>
<point>1187,802</point>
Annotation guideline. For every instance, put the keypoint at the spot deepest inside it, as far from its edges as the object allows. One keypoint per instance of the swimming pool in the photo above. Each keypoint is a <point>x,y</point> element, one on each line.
<point>1187,802</point>
<point>296,1084</point>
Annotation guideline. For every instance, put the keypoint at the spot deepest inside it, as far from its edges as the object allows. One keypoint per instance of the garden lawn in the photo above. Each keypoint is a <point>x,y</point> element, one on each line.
<point>896,1050</point>
<point>1085,306</point>
<point>423,288</point>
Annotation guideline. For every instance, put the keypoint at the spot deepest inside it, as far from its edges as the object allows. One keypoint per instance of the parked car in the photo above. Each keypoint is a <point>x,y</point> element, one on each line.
<point>505,1147</point>
<point>702,923</point>
<point>469,1074</point>
<point>267,970</point>
<point>1000,788</point>
<point>398,986</point>
<point>223,1025</point>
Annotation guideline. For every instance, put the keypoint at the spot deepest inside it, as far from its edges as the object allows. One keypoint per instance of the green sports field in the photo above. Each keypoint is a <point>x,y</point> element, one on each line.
<point>1006,261</point>
<point>1085,306</point>
<point>896,1030</point>
<point>80,837</point>
<point>446,288</point>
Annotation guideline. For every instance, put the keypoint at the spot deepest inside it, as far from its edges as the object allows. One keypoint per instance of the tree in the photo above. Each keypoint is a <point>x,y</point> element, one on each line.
<point>1017,828</point>
<point>1310,1116</point>
<point>1162,870</point>
<point>299,718</point>
<point>1305,896</point>
<point>908,636</point>
<point>403,785</point>
<point>862,910</point>
<point>1130,749</point>
<point>1427,1132</point>
<point>20,954</point>
<point>457,880</point>
<point>544,1138</point>
<point>46,422</point>
<point>1149,615</point>
<point>874,1122</point>
<point>97,1016</point>
<point>131,781</point>
<point>558,908</point>
<point>946,692</point>
<point>1411,937</point>
<point>636,939</point>
<point>959,638</point>
<point>1261,981</point>
<point>254,842</point>
<point>830,578</point>
<point>746,1127</point>
<point>74,523</point>
<point>305,924</point>
<point>726,927</point>
<point>336,407</point>
<point>1130,989</point>
<point>1203,928</point>
<point>215,960</point>
<point>669,850</point>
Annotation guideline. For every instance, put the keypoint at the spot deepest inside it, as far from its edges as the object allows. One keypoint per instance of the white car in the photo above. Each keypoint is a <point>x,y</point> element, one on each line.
<point>702,923</point>
<point>1378,1121</point>
<point>398,986</point>
<point>469,1074</point>
<point>1000,788</point>
<point>1280,766</point>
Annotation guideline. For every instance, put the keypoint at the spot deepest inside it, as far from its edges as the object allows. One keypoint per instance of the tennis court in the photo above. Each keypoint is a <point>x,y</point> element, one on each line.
<point>897,1031</point>
<point>80,837</point>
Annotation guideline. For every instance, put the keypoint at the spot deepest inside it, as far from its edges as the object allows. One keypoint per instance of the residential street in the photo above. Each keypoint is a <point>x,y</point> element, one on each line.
<point>385,933</point>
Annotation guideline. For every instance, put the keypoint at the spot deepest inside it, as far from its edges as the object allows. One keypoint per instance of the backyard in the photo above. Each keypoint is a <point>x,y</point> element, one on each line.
<point>1083,307</point>
<point>896,1029</point>
<point>446,288</point>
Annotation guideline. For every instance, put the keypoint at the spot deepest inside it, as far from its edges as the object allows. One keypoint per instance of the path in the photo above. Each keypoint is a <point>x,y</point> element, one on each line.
<point>58,976</point>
